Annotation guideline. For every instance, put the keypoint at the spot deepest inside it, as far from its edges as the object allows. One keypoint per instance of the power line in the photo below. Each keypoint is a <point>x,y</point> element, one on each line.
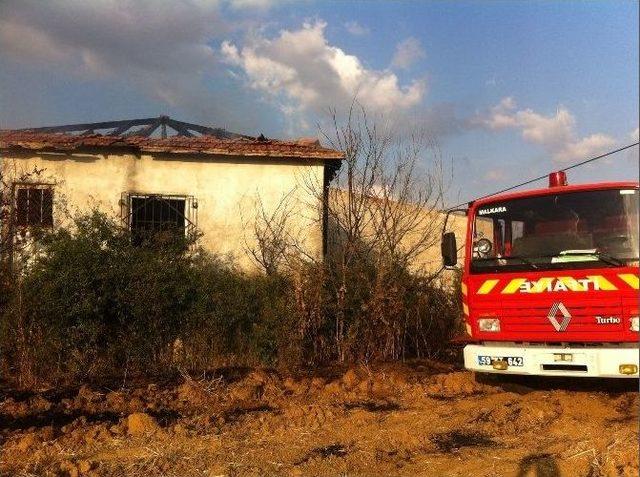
<point>545,176</point>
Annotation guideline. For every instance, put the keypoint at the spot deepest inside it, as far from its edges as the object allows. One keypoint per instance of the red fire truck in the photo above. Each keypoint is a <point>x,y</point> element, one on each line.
<point>550,280</point>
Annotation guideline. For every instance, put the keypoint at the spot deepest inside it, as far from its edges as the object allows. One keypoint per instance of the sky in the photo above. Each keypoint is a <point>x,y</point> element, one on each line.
<point>509,90</point>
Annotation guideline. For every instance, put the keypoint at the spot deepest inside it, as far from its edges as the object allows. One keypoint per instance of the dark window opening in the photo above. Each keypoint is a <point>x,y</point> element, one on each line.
<point>157,217</point>
<point>34,206</point>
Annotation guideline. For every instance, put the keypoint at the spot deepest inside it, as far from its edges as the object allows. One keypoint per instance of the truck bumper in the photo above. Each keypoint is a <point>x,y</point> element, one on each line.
<point>547,361</point>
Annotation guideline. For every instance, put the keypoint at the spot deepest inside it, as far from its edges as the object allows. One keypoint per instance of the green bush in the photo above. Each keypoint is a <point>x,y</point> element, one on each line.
<point>93,304</point>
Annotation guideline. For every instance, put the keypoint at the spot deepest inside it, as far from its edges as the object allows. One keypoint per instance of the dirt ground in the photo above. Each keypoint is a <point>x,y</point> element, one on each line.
<point>402,419</point>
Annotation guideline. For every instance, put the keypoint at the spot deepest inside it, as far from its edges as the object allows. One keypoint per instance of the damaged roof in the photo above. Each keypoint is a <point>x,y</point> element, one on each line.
<point>26,140</point>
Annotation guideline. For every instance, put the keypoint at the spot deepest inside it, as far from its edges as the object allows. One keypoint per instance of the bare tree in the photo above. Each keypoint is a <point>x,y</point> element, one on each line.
<point>370,296</point>
<point>384,216</point>
<point>272,239</point>
<point>388,195</point>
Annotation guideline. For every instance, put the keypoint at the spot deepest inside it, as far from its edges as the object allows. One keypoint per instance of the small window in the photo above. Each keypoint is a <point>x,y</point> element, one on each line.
<point>34,206</point>
<point>157,215</point>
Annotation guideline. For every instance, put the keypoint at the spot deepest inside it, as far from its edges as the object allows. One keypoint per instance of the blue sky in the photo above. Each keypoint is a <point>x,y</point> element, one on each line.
<point>509,89</point>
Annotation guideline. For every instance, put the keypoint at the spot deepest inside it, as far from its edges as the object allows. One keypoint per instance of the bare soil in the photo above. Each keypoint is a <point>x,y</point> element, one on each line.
<point>398,419</point>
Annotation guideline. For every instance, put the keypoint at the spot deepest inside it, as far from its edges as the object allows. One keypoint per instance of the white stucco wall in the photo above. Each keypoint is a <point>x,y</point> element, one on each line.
<point>226,189</point>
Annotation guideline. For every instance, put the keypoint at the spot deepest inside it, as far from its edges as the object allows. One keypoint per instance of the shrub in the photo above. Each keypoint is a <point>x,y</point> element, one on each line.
<point>93,304</point>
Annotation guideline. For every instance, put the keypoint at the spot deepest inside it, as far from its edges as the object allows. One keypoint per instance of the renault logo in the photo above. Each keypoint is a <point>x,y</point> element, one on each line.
<point>566,316</point>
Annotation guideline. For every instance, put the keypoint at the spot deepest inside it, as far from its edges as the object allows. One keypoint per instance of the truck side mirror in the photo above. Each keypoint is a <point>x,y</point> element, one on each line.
<point>449,250</point>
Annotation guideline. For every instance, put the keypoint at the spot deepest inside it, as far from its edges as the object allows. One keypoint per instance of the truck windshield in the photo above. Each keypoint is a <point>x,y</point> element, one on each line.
<point>568,230</point>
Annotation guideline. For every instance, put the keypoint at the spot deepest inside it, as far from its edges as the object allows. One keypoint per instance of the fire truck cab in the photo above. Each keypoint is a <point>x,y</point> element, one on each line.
<point>550,281</point>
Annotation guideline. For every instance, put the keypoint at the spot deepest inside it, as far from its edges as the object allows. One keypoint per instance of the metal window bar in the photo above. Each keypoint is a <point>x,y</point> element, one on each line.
<point>140,211</point>
<point>33,205</point>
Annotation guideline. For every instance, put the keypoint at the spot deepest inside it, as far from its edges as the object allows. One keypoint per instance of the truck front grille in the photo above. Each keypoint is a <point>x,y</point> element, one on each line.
<point>524,318</point>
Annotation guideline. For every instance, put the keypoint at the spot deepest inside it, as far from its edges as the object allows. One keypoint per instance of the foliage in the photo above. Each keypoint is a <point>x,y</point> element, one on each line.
<point>93,304</point>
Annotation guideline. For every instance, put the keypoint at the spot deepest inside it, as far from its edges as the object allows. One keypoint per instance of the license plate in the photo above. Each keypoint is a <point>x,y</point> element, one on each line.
<point>511,360</point>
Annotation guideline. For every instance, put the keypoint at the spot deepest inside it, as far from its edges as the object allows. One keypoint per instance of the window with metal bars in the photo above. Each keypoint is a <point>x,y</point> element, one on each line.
<point>157,216</point>
<point>34,205</point>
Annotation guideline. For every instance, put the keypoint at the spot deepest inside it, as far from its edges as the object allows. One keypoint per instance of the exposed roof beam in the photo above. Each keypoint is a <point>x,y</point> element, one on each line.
<point>122,128</point>
<point>208,131</point>
<point>94,126</point>
<point>148,130</point>
<point>125,128</point>
<point>178,126</point>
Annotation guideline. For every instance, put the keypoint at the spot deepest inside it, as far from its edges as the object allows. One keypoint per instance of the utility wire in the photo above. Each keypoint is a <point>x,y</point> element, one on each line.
<point>545,176</point>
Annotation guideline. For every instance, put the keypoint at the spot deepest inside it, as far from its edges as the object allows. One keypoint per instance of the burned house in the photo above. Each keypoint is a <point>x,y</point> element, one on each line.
<point>200,180</point>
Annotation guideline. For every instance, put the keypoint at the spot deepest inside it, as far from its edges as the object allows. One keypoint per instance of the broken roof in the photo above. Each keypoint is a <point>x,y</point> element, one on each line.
<point>17,140</point>
<point>121,135</point>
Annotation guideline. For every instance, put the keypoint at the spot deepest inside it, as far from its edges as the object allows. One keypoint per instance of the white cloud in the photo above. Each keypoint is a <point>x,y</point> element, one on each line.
<point>556,133</point>
<point>355,29</point>
<point>586,147</point>
<point>635,134</point>
<point>301,72</point>
<point>407,53</point>
<point>162,50</point>
<point>552,131</point>
<point>501,115</point>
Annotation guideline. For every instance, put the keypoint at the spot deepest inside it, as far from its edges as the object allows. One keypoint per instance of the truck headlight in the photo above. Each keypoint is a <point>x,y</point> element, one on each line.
<point>634,323</point>
<point>489,324</point>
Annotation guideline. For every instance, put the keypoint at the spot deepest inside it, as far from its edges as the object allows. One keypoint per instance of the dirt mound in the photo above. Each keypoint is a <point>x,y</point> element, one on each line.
<point>295,386</point>
<point>194,394</point>
<point>256,385</point>
<point>392,419</point>
<point>15,408</point>
<point>456,385</point>
<point>116,401</point>
<point>140,424</point>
